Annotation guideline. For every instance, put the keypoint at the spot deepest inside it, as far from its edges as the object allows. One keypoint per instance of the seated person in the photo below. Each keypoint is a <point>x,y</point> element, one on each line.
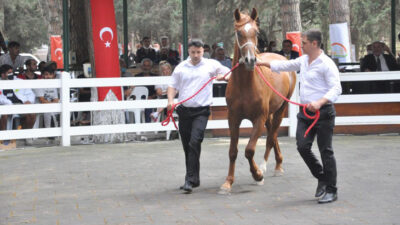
<point>167,53</point>
<point>161,90</point>
<point>222,58</point>
<point>146,51</point>
<point>287,51</point>
<point>13,58</point>
<point>378,61</point>
<point>16,96</point>
<point>146,66</point>
<point>29,74</point>
<point>48,95</point>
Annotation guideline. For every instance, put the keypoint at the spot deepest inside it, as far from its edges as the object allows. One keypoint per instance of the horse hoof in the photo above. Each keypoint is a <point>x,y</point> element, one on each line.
<point>260,183</point>
<point>224,191</point>
<point>279,173</point>
<point>263,167</point>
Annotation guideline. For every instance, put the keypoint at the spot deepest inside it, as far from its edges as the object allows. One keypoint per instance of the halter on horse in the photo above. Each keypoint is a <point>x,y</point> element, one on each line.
<point>248,97</point>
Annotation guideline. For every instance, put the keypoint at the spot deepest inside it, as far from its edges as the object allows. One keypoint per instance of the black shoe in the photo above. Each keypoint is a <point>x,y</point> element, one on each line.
<point>320,189</point>
<point>187,187</point>
<point>328,197</point>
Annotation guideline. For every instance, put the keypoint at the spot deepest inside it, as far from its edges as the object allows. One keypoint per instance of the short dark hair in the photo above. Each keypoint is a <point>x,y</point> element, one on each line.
<point>206,46</point>
<point>287,41</point>
<point>196,43</point>
<point>48,68</point>
<point>4,68</point>
<point>13,44</point>
<point>145,38</point>
<point>314,35</point>
<point>29,61</point>
<point>398,35</point>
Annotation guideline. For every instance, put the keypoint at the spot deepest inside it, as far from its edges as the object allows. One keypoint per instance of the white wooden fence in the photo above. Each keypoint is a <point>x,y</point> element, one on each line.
<point>66,107</point>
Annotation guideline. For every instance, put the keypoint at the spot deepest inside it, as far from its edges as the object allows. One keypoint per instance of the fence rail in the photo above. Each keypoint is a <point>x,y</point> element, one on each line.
<point>65,107</point>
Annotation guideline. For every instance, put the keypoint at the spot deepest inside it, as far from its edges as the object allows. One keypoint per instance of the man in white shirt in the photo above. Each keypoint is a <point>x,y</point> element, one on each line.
<point>15,96</point>
<point>319,89</point>
<point>188,77</point>
<point>12,57</point>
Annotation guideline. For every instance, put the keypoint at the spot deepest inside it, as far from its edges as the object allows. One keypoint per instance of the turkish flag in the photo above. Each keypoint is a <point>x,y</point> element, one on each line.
<point>104,31</point>
<point>56,47</point>
<point>295,37</point>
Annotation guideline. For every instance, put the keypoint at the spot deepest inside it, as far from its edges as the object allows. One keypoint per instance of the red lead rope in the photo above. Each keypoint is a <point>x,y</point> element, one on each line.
<point>171,117</point>
<point>169,113</point>
<point>315,117</point>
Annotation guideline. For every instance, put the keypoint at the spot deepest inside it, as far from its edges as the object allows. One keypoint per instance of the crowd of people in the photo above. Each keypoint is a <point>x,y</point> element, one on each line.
<point>153,59</point>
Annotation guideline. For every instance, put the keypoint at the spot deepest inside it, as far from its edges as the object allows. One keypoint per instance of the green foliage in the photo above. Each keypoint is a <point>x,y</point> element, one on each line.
<point>23,22</point>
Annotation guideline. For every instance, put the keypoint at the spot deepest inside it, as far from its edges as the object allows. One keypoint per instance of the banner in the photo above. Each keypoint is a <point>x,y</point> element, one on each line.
<point>56,48</point>
<point>340,43</point>
<point>105,45</point>
<point>295,37</point>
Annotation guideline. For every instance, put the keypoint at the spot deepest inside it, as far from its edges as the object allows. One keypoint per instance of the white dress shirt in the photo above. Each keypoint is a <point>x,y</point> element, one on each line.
<point>6,59</point>
<point>317,80</point>
<point>384,66</point>
<point>24,95</point>
<point>187,79</point>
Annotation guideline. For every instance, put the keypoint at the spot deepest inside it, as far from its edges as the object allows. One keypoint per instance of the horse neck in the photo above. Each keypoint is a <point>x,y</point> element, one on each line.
<point>240,75</point>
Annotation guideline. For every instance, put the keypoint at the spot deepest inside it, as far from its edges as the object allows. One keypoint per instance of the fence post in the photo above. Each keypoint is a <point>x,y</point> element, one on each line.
<point>293,110</point>
<point>65,112</point>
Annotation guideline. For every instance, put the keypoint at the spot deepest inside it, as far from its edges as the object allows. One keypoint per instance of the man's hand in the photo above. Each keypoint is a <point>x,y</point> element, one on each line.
<point>220,77</point>
<point>263,63</point>
<point>316,105</point>
<point>169,105</point>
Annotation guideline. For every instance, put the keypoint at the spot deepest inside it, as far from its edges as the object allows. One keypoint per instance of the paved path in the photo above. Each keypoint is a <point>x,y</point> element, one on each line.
<point>137,183</point>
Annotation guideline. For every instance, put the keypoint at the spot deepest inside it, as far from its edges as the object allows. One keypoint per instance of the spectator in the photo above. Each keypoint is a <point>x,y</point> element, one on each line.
<point>41,66</point>
<point>272,47</point>
<point>161,90</point>
<point>398,54</point>
<point>145,51</point>
<point>222,58</point>
<point>2,44</point>
<point>124,72</point>
<point>146,66</point>
<point>213,48</point>
<point>262,40</point>
<point>287,50</point>
<point>378,61</point>
<point>31,68</point>
<point>207,51</point>
<point>167,53</point>
<point>16,96</point>
<point>12,57</point>
<point>48,95</point>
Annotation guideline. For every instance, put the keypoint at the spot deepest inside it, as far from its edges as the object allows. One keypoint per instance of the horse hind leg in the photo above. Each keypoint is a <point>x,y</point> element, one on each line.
<point>250,150</point>
<point>272,140</point>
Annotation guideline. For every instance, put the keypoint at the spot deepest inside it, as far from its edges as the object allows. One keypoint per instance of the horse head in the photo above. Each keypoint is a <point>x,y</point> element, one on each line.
<point>246,37</point>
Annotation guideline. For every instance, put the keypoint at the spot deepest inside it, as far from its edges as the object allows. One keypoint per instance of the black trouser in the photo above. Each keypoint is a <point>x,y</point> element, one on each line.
<point>324,131</point>
<point>192,124</point>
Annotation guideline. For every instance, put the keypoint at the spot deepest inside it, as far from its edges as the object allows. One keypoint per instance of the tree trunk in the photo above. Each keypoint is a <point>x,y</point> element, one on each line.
<point>290,13</point>
<point>2,16</point>
<point>79,33</point>
<point>55,17</point>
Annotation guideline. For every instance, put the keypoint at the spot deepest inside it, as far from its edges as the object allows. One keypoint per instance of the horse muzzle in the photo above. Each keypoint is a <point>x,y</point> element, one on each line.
<point>250,62</point>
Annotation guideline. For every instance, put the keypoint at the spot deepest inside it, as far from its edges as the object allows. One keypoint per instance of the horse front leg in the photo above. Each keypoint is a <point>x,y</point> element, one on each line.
<point>250,150</point>
<point>233,151</point>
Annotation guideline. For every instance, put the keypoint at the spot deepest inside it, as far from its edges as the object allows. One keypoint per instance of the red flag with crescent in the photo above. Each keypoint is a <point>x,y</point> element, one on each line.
<point>295,37</point>
<point>104,30</point>
<point>56,47</point>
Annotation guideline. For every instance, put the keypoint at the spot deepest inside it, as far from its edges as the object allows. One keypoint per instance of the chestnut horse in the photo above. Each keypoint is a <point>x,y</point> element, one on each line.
<point>248,97</point>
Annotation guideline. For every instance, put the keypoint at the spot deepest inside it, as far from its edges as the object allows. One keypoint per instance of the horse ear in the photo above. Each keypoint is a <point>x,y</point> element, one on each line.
<point>254,14</point>
<point>237,14</point>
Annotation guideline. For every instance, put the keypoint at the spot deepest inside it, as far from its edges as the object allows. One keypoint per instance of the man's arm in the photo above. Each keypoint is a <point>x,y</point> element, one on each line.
<point>171,92</point>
